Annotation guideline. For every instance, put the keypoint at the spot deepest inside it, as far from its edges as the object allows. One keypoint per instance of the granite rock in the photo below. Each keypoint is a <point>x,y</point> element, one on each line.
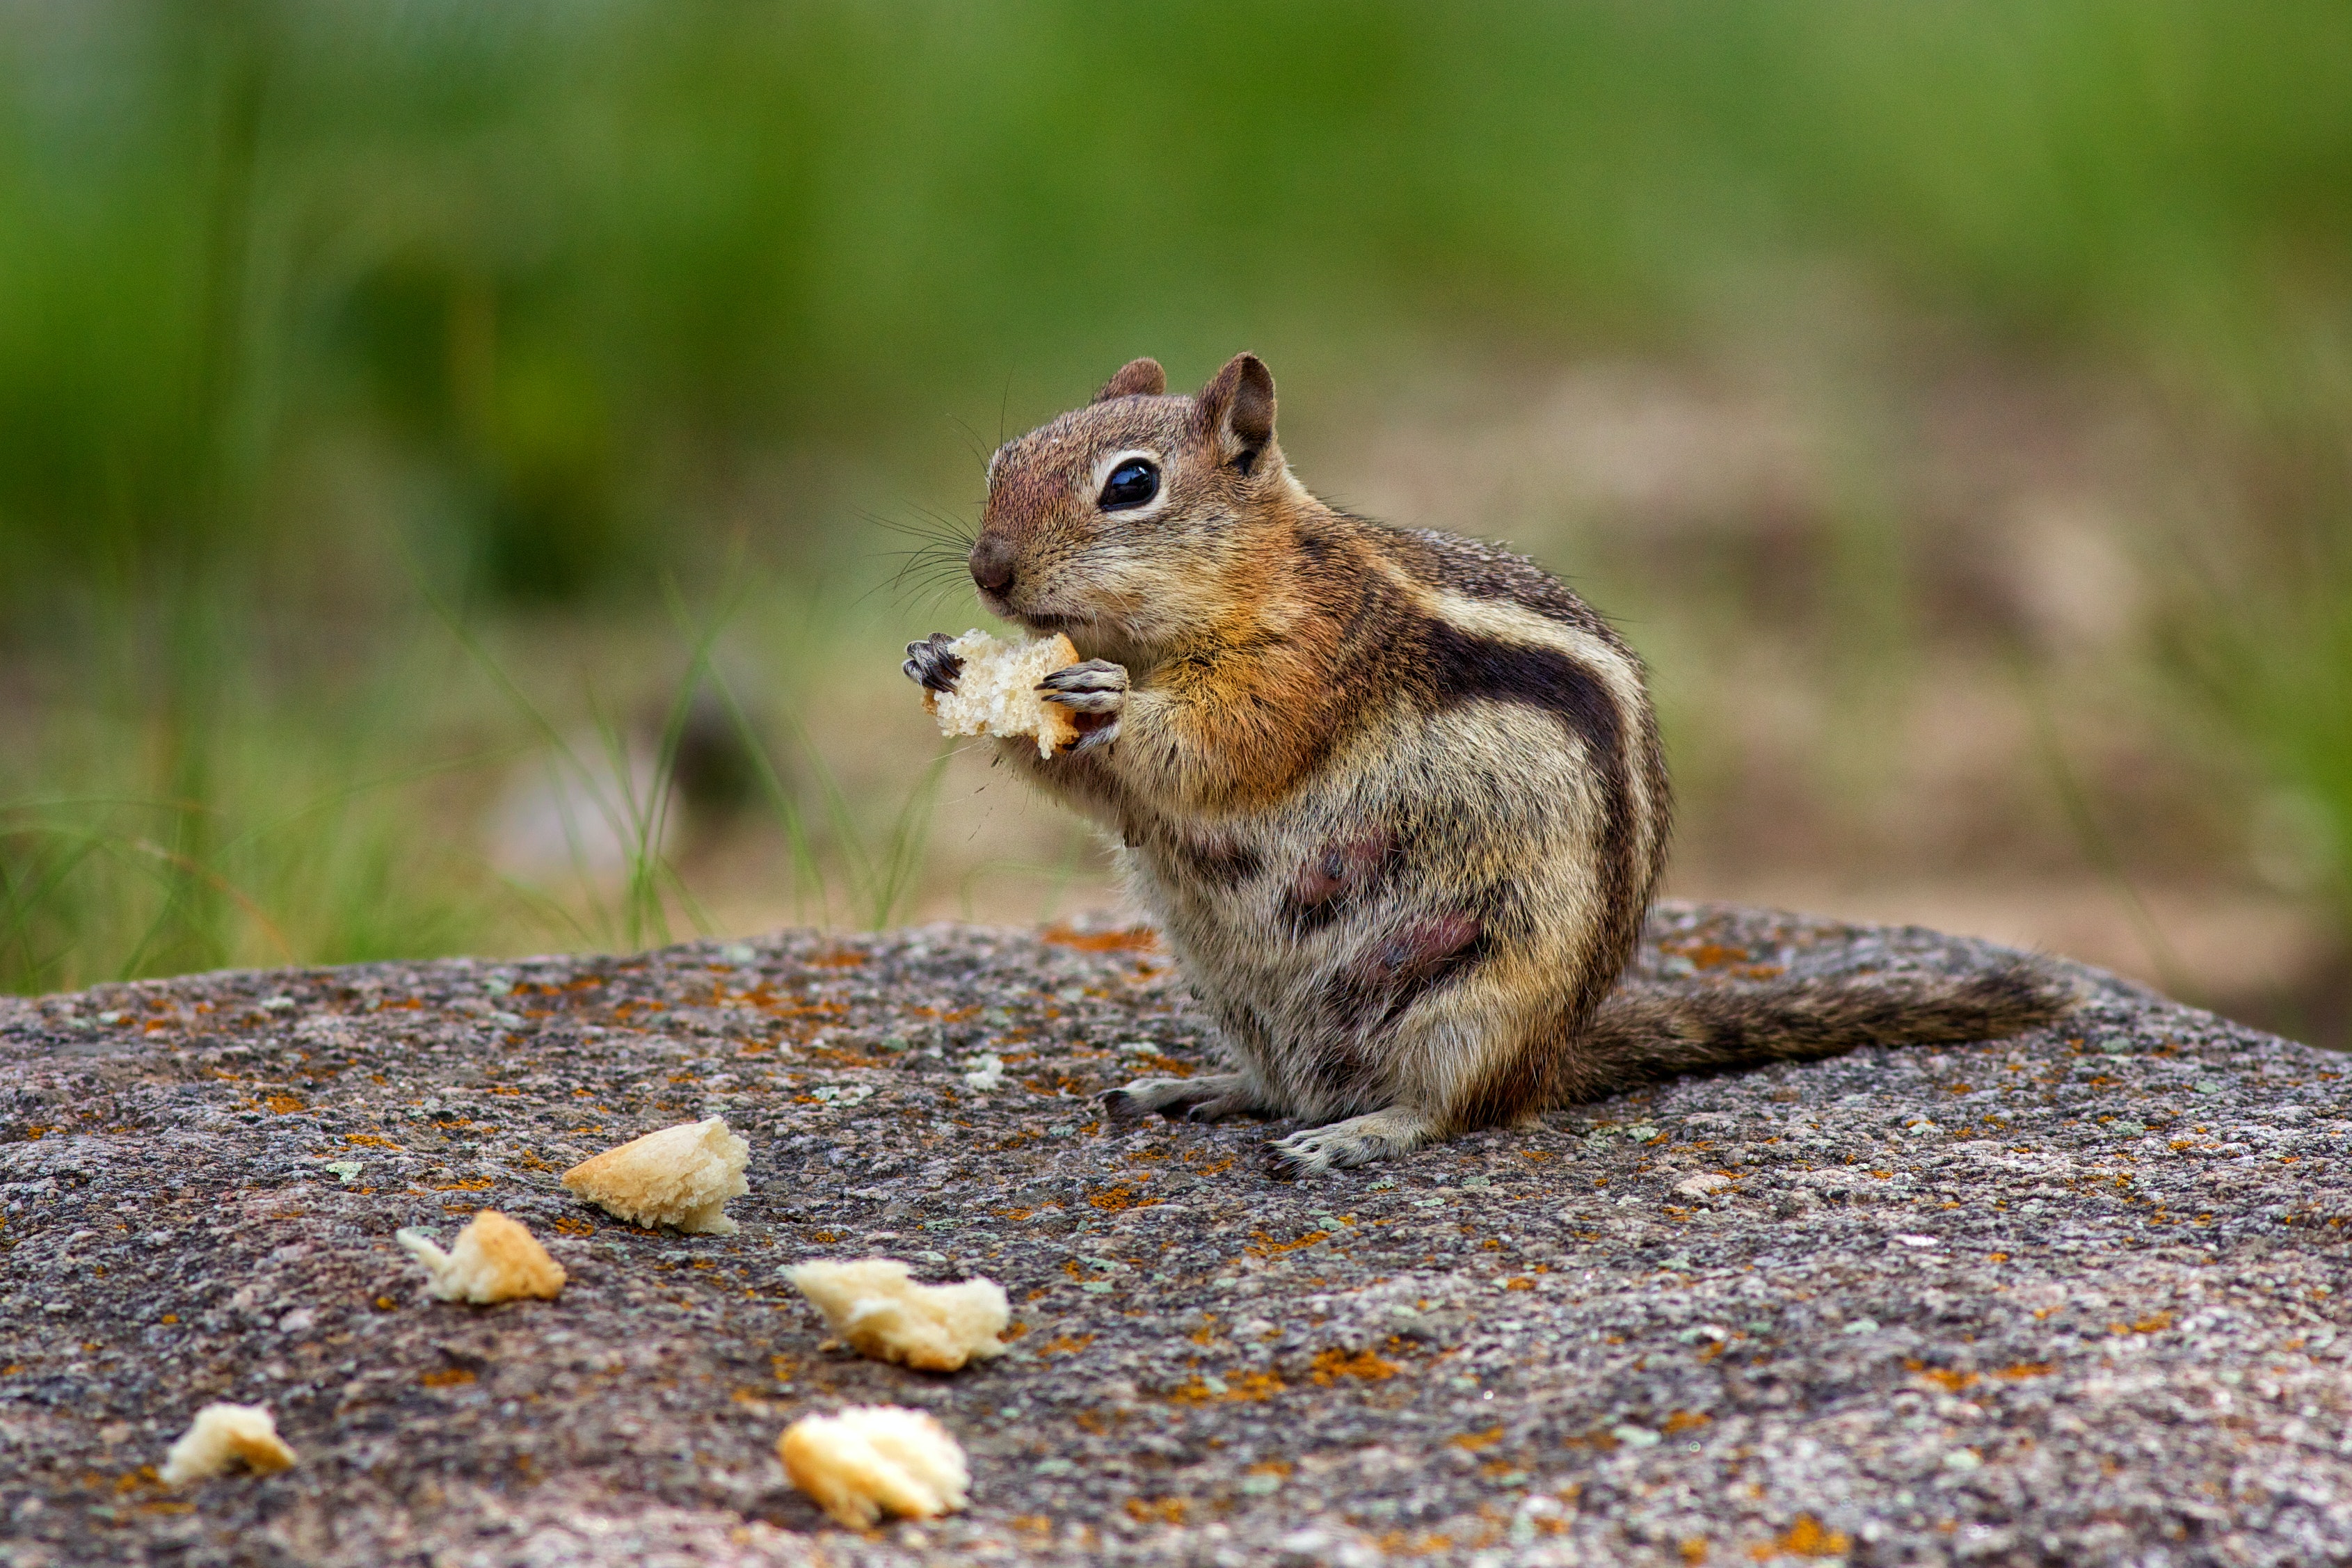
<point>2072,1298</point>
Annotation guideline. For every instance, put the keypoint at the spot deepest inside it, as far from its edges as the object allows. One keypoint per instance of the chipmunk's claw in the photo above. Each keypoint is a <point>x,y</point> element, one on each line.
<point>1357,1141</point>
<point>931,666</point>
<point>1097,686</point>
<point>1096,694</point>
<point>1282,1166</point>
<point>1180,1099</point>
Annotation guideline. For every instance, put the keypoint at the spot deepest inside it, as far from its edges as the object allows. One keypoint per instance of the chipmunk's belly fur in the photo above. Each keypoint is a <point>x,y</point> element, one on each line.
<point>1433,897</point>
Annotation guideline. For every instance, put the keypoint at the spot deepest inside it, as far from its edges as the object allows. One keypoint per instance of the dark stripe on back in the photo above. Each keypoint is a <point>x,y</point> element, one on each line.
<point>1462,668</point>
<point>1452,666</point>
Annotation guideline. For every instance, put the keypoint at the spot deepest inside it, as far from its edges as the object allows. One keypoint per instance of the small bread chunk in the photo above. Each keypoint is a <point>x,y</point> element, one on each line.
<point>882,1313</point>
<point>681,1175</point>
<point>875,1456</point>
<point>494,1258</point>
<point>997,692</point>
<point>220,1437</point>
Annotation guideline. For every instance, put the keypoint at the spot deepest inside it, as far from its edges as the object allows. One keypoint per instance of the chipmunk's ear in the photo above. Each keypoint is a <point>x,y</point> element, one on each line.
<point>1135,378</point>
<point>1237,410</point>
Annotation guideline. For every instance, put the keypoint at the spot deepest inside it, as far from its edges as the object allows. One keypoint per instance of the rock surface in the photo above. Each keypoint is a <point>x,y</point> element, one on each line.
<point>2073,1298</point>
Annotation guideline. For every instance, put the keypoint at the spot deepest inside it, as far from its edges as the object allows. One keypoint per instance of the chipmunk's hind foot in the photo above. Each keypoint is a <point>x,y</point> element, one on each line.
<point>1183,1099</point>
<point>1357,1141</point>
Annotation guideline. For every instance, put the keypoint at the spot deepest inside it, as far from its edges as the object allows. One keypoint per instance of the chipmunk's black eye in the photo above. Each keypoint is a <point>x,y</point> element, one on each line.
<point>1132,483</point>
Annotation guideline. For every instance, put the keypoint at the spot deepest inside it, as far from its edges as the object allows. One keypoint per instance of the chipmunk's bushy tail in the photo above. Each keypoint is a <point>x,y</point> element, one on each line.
<point>1648,1031</point>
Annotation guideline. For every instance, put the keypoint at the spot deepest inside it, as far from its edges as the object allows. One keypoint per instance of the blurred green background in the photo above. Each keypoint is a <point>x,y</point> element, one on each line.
<point>454,459</point>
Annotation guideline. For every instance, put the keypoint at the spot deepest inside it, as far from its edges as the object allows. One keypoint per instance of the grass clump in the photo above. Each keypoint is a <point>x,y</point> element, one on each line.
<point>312,309</point>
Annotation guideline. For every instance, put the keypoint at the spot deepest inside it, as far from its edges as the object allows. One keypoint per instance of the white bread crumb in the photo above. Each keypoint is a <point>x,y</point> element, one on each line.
<point>996,694</point>
<point>220,1437</point>
<point>880,1312</point>
<point>875,1456</point>
<point>494,1258</point>
<point>681,1175</point>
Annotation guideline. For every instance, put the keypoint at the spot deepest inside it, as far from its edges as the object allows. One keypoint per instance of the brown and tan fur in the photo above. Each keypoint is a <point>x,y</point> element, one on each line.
<point>1394,798</point>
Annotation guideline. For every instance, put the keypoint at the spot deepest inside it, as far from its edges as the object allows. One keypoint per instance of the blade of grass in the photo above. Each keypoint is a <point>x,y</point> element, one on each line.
<point>904,844</point>
<point>618,815</point>
<point>807,873</point>
<point>2099,849</point>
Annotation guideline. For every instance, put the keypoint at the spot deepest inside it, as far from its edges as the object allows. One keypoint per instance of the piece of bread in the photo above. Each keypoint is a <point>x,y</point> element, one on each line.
<point>871,1458</point>
<point>996,694</point>
<point>220,1435</point>
<point>494,1258</point>
<point>881,1313</point>
<point>681,1175</point>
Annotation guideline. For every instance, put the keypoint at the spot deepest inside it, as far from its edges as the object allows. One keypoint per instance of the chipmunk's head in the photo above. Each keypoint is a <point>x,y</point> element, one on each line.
<point>1125,523</point>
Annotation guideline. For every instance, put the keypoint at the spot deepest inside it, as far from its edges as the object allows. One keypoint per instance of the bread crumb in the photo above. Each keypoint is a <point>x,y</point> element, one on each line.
<point>494,1258</point>
<point>681,1175</point>
<point>881,1313</point>
<point>220,1435</point>
<point>871,1458</point>
<point>996,694</point>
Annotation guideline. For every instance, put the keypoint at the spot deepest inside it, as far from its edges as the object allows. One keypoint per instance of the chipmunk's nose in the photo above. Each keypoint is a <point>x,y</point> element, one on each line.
<point>991,562</point>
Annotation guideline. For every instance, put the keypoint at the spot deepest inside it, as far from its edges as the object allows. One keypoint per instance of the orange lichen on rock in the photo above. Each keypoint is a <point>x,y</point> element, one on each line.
<point>1335,1363</point>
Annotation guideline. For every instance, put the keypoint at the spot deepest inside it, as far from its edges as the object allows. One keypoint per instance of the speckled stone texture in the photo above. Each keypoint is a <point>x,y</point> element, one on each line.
<point>2069,1298</point>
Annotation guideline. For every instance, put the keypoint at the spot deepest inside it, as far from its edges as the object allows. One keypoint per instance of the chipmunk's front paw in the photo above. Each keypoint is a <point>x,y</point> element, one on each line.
<point>931,666</point>
<point>1096,694</point>
<point>1097,686</point>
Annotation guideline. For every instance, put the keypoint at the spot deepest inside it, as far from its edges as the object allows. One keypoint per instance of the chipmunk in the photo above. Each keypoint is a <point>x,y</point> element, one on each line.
<point>1393,797</point>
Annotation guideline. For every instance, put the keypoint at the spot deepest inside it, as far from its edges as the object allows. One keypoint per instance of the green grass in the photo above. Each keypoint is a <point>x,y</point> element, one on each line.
<point>2276,692</point>
<point>243,825</point>
<point>254,873</point>
<point>554,266</point>
<point>309,309</point>
<point>254,865</point>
